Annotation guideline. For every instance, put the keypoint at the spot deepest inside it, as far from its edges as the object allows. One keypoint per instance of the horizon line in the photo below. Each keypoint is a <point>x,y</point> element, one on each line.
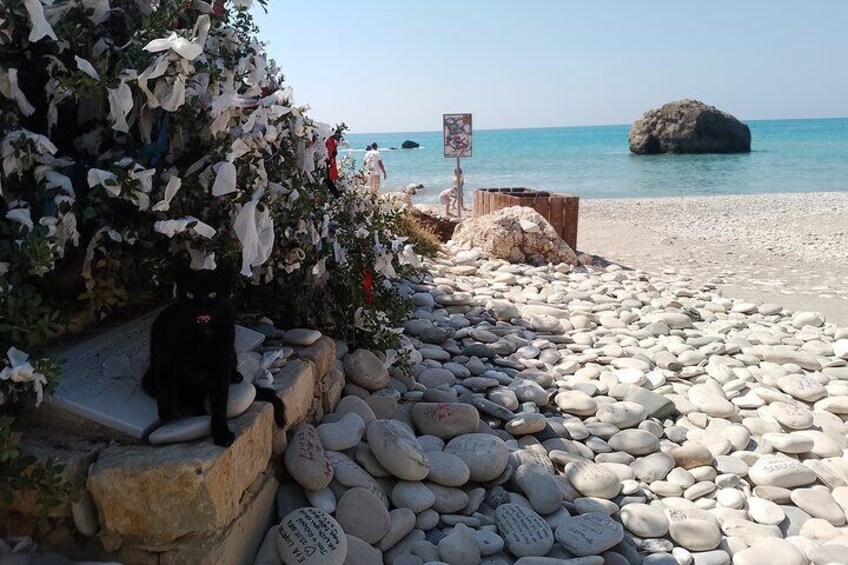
<point>584,126</point>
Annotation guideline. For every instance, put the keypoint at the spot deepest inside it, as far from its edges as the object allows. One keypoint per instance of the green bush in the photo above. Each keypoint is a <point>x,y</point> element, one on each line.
<point>135,132</point>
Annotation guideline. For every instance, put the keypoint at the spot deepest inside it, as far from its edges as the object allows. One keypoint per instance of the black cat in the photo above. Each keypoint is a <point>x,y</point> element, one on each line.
<point>192,352</point>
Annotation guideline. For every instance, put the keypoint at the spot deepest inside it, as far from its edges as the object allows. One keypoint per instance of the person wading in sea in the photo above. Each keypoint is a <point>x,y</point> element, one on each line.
<point>373,166</point>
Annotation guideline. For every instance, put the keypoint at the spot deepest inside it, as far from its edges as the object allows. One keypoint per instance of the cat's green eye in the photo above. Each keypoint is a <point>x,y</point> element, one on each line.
<point>190,295</point>
<point>213,294</point>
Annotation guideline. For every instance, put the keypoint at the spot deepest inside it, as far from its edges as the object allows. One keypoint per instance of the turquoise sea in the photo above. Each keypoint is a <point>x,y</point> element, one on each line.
<point>594,161</point>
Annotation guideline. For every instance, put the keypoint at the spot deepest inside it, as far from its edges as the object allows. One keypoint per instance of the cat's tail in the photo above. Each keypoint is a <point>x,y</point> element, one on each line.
<point>270,395</point>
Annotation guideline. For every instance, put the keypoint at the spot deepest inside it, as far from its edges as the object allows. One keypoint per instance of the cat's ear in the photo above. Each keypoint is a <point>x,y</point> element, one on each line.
<point>182,271</point>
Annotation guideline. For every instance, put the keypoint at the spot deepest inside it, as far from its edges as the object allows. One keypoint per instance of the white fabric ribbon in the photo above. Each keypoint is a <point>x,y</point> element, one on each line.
<point>99,176</point>
<point>20,370</point>
<point>120,105</point>
<point>86,67</point>
<point>21,216</point>
<point>255,231</point>
<point>175,96</point>
<point>173,186</point>
<point>10,89</point>
<point>40,26</point>
<point>170,228</point>
<point>225,179</point>
<point>179,45</point>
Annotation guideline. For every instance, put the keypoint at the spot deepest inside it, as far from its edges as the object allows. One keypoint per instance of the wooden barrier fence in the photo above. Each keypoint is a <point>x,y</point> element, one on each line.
<point>561,210</point>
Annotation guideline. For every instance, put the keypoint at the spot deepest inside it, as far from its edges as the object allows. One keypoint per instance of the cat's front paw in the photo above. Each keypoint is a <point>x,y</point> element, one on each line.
<point>224,438</point>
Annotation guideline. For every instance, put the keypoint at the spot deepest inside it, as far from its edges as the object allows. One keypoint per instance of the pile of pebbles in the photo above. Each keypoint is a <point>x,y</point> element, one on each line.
<point>583,418</point>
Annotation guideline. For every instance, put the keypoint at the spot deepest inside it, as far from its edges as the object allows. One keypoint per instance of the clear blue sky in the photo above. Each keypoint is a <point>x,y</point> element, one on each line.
<point>383,65</point>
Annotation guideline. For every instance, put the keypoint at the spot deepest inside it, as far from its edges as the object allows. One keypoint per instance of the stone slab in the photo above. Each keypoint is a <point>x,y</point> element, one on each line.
<point>239,542</point>
<point>101,378</point>
<point>160,494</point>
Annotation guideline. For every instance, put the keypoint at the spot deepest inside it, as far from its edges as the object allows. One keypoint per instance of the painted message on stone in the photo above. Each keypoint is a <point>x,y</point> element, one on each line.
<point>525,532</point>
<point>310,536</point>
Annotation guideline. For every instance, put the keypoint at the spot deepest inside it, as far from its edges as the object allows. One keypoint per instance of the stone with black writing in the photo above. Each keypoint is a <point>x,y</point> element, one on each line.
<point>525,533</point>
<point>622,415</point>
<point>310,536</point>
<point>445,420</point>
<point>486,455</point>
<point>692,528</point>
<point>397,450</point>
<point>780,471</point>
<point>593,480</point>
<point>645,521</point>
<point>306,460</point>
<point>791,416</point>
<point>365,369</point>
<point>589,534</point>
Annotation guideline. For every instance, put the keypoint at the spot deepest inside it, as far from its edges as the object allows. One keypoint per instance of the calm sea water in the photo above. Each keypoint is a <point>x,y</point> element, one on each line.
<point>594,162</point>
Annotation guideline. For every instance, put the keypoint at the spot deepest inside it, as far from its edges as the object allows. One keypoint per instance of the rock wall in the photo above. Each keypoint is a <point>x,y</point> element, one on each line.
<point>190,503</point>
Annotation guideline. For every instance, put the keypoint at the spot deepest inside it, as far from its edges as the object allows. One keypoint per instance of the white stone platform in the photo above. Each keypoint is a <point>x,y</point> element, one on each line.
<point>101,378</point>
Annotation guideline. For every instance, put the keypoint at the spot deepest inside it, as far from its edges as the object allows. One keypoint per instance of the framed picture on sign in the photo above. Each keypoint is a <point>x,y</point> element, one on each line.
<point>457,132</point>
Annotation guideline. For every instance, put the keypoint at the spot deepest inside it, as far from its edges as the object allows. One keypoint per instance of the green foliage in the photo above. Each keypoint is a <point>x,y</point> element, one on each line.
<point>19,472</point>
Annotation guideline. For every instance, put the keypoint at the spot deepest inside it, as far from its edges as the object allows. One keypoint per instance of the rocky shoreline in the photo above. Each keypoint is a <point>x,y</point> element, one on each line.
<point>584,417</point>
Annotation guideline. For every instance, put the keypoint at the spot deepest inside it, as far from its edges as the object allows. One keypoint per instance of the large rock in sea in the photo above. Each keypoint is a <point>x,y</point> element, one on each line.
<point>409,144</point>
<point>517,234</point>
<point>689,126</point>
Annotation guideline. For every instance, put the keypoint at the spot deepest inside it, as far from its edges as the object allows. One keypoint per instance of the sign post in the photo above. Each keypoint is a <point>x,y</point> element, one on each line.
<point>457,141</point>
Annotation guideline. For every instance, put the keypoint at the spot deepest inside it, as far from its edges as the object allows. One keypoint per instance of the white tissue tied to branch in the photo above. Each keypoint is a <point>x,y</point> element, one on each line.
<point>135,129</point>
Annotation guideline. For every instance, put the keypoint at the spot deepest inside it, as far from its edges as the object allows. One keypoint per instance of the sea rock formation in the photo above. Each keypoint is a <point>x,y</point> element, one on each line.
<point>688,126</point>
<point>409,144</point>
<point>517,234</point>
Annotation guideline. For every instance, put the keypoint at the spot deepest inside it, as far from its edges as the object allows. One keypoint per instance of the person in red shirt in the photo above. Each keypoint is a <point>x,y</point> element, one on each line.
<point>332,168</point>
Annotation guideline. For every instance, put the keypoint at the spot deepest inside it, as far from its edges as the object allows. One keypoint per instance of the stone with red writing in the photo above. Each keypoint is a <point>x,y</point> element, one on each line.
<point>310,536</point>
<point>589,534</point>
<point>306,460</point>
<point>525,533</point>
<point>445,420</point>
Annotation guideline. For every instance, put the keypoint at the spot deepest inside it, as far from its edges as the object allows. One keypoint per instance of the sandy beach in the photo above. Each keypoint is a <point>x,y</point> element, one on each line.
<point>789,249</point>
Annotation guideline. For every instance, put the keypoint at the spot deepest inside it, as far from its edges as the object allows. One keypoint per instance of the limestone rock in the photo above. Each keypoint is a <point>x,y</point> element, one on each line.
<point>689,126</point>
<point>499,234</point>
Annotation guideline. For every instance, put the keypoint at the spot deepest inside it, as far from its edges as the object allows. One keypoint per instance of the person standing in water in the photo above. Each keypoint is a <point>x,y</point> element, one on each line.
<point>373,167</point>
